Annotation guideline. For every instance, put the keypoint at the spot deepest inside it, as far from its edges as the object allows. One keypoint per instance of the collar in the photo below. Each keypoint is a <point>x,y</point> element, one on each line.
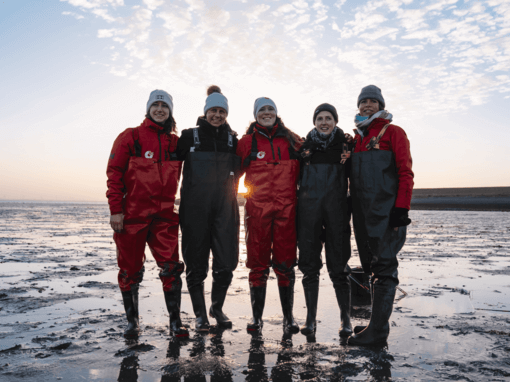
<point>268,133</point>
<point>152,125</point>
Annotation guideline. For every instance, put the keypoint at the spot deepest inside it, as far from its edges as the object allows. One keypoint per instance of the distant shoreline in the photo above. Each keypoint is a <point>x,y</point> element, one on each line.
<point>459,199</point>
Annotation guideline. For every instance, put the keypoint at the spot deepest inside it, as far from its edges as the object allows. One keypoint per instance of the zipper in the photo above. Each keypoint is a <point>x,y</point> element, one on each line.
<point>279,154</point>
<point>272,148</point>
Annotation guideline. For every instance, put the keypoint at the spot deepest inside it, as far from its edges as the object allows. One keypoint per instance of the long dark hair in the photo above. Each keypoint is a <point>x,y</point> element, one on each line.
<point>292,137</point>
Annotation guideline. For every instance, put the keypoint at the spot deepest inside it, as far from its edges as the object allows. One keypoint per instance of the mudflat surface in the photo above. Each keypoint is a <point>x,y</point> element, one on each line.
<point>61,315</point>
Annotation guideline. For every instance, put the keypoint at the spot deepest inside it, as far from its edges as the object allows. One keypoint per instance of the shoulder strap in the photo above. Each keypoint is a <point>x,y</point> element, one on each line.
<point>374,142</point>
<point>253,153</point>
<point>196,138</point>
<point>172,155</point>
<point>137,145</point>
<point>346,154</point>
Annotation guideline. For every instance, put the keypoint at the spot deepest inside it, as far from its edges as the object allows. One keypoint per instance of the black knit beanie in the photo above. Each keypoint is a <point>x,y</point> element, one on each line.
<point>325,107</point>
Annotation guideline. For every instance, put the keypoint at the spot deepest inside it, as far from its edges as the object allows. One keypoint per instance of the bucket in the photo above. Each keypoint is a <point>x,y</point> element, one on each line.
<point>360,294</point>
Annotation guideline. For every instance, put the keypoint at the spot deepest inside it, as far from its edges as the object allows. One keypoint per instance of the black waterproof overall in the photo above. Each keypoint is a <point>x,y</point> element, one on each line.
<point>374,185</point>
<point>209,212</point>
<point>322,201</point>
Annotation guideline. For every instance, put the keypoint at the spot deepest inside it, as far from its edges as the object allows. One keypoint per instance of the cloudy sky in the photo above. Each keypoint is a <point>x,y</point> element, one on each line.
<point>75,73</point>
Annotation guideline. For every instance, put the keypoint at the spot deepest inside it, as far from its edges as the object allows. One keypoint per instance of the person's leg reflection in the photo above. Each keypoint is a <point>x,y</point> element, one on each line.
<point>257,360</point>
<point>128,369</point>
<point>221,373</point>
<point>283,371</point>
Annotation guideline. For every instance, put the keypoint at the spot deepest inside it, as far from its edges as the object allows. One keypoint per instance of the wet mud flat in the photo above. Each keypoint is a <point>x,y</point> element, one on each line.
<point>61,314</point>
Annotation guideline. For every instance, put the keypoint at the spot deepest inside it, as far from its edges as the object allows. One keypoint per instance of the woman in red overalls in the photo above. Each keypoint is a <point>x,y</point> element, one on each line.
<point>269,158</point>
<point>143,175</point>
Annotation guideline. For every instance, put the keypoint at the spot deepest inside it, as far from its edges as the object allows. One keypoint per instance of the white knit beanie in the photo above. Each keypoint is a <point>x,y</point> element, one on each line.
<point>160,95</point>
<point>260,103</point>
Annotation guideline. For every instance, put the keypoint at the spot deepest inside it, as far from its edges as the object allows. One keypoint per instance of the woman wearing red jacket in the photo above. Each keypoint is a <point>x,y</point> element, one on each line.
<point>143,176</point>
<point>381,189</point>
<point>271,163</point>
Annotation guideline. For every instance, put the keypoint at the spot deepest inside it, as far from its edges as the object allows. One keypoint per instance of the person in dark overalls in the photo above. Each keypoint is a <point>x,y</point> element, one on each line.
<point>381,189</point>
<point>322,206</point>
<point>209,212</point>
<point>143,176</point>
<point>270,160</point>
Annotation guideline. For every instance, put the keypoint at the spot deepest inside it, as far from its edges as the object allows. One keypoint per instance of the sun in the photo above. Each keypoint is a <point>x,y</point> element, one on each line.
<point>242,189</point>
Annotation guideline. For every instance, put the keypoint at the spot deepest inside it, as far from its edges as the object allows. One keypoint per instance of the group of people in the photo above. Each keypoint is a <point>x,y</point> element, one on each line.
<point>298,199</point>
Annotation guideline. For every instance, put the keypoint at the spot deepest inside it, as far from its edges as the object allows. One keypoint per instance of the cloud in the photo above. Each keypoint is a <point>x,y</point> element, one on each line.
<point>440,53</point>
<point>75,15</point>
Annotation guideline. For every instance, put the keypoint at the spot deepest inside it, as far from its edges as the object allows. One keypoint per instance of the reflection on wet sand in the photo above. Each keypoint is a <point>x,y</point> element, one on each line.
<point>200,364</point>
<point>61,315</point>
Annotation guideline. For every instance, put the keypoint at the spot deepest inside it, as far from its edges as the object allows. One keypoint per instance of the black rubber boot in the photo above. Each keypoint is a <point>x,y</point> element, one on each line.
<point>343,297</point>
<point>311,298</point>
<point>198,301</point>
<point>258,300</point>
<point>287,301</point>
<point>360,328</point>
<point>220,284</point>
<point>173,304</point>
<point>378,329</point>
<point>130,299</point>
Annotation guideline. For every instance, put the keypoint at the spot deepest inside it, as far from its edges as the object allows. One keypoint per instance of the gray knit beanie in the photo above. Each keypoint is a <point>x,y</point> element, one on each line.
<point>371,91</point>
<point>215,99</point>
<point>160,95</point>
<point>260,103</point>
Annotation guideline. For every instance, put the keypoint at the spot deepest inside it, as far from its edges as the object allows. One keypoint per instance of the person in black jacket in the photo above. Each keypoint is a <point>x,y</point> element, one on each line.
<point>209,212</point>
<point>323,215</point>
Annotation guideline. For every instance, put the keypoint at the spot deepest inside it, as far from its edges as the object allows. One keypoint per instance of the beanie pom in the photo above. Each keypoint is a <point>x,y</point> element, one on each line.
<point>213,89</point>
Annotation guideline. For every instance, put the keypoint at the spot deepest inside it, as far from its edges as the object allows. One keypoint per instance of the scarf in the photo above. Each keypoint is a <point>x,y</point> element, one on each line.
<point>361,126</point>
<point>323,140</point>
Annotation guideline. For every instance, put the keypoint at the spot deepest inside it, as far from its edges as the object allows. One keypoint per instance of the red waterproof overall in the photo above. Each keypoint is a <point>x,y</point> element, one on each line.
<point>270,216</point>
<point>149,182</point>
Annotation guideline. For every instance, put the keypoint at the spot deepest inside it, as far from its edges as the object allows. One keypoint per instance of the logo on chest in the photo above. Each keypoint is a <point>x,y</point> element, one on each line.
<point>261,154</point>
<point>149,154</point>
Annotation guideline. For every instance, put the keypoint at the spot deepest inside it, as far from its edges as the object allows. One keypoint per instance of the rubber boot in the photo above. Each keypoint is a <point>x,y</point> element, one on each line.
<point>287,301</point>
<point>220,284</point>
<point>173,304</point>
<point>360,328</point>
<point>343,297</point>
<point>198,301</point>
<point>258,300</point>
<point>311,298</point>
<point>130,299</point>
<point>378,329</point>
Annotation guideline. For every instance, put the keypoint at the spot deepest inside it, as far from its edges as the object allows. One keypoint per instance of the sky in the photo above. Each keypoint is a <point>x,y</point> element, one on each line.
<point>76,73</point>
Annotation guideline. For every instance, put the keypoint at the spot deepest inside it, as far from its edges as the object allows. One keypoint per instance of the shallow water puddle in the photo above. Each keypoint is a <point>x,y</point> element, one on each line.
<point>444,304</point>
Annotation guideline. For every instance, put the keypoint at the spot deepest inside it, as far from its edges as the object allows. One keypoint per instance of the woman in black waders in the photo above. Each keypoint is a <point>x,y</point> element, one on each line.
<point>322,202</point>
<point>209,213</point>
<point>381,189</point>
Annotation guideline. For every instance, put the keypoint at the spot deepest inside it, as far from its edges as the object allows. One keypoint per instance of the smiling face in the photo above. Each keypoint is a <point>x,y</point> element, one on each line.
<point>159,112</point>
<point>368,106</point>
<point>216,116</point>
<point>266,116</point>
<point>325,122</point>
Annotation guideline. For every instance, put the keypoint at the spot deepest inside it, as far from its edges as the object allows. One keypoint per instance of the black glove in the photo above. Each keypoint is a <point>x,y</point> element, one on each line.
<point>399,217</point>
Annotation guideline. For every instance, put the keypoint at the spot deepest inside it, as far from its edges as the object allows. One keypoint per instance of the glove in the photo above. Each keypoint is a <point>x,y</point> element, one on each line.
<point>399,217</point>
